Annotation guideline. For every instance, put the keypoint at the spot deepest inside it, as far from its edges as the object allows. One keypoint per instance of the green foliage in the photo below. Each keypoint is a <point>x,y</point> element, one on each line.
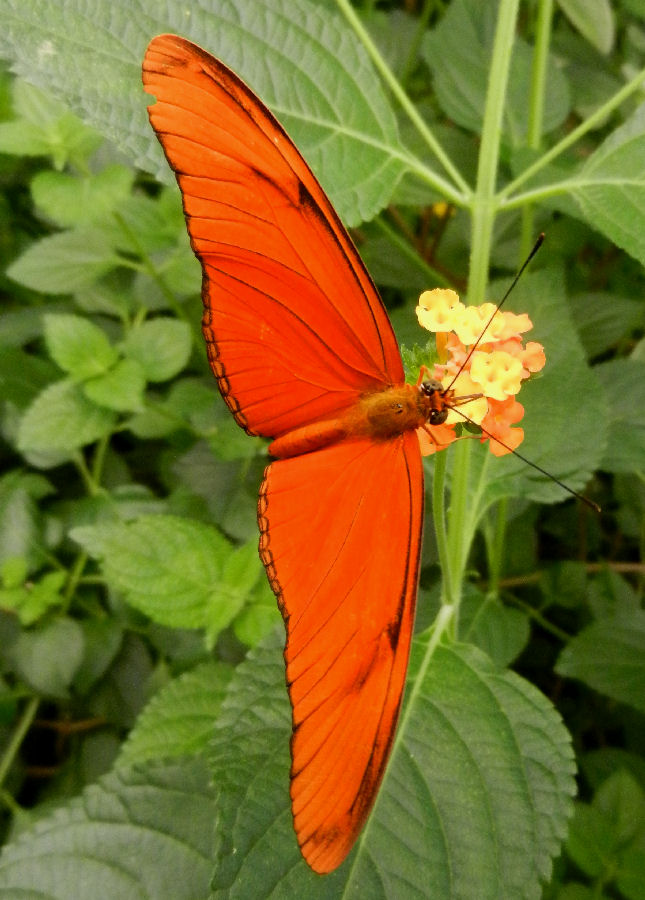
<point>136,624</point>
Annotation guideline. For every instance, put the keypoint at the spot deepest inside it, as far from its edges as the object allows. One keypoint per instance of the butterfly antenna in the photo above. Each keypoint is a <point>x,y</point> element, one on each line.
<point>590,503</point>
<point>528,259</point>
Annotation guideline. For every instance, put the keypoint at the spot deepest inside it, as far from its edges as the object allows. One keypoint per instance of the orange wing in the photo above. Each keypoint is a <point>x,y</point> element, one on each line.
<point>295,328</point>
<point>340,538</point>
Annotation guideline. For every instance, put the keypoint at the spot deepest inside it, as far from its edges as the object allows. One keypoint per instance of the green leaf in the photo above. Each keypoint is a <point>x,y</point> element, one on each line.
<point>605,834</point>
<point>500,631</point>
<point>48,655</point>
<point>609,656</point>
<point>302,58</point>
<point>19,516</point>
<point>78,346</point>
<point>60,420</point>
<point>136,834</point>
<point>70,200</point>
<point>66,262</point>
<point>31,602</point>
<point>45,128</point>
<point>602,319</point>
<point>610,187</point>
<point>624,382</point>
<point>160,346</point>
<point>474,803</point>
<point>121,389</point>
<point>171,569</point>
<point>179,720</point>
<point>458,51</point>
<point>594,19</point>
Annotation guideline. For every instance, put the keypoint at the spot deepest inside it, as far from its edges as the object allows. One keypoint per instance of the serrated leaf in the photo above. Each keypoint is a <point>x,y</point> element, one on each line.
<point>624,382</point>
<point>77,345</point>
<point>594,19</point>
<point>136,834</point>
<point>610,187</point>
<point>160,346</point>
<point>169,568</point>
<point>66,262</point>
<point>609,656</point>
<point>474,803</point>
<point>302,58</point>
<point>47,656</point>
<point>121,389</point>
<point>179,720</point>
<point>60,420</point>
<point>70,200</point>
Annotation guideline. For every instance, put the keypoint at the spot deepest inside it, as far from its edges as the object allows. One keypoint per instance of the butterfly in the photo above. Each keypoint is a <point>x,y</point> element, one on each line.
<point>304,354</point>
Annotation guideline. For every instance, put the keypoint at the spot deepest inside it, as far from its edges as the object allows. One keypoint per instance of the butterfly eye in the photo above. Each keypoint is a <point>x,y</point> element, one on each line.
<point>437,416</point>
<point>431,386</point>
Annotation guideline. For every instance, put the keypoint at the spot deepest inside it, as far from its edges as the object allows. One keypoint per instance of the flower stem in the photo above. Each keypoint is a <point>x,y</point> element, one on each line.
<point>12,748</point>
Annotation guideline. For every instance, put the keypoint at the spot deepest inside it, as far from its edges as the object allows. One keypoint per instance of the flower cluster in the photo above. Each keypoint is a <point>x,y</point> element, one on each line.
<point>494,371</point>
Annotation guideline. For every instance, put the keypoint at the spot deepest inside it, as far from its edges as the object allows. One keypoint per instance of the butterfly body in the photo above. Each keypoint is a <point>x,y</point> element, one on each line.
<point>381,415</point>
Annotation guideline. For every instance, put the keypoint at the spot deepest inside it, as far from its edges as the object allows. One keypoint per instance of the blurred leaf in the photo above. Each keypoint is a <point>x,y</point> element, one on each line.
<point>30,602</point>
<point>45,127</point>
<point>160,346</point>
<point>48,655</point>
<point>66,262</point>
<point>475,748</point>
<point>458,51</point>
<point>172,569</point>
<point>143,833</point>
<point>60,420</point>
<point>19,516</point>
<point>609,656</point>
<point>594,19</point>
<point>78,346</point>
<point>624,383</point>
<point>70,200</point>
<point>602,319</point>
<point>121,388</point>
<point>179,720</point>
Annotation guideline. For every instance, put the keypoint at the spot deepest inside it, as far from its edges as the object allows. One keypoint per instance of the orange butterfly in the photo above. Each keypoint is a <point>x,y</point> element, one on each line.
<point>304,353</point>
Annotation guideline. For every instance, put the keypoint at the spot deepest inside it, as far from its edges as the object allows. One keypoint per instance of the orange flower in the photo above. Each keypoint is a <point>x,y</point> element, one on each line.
<point>495,368</point>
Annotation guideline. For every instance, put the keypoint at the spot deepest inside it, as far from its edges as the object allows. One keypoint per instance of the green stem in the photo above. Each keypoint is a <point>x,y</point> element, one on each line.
<point>415,43</point>
<point>536,108</point>
<point>495,538</point>
<point>484,202</point>
<point>439,516</point>
<point>389,78</point>
<point>12,748</point>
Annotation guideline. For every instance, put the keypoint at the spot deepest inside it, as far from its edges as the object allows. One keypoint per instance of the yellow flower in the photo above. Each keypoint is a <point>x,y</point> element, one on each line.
<point>495,370</point>
<point>498,374</point>
<point>436,310</point>
<point>464,386</point>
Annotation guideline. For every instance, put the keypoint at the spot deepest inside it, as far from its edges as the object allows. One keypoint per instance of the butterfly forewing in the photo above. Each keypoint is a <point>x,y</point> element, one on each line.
<point>295,328</point>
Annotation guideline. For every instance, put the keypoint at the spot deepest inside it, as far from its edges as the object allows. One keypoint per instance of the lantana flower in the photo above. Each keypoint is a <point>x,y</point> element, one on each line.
<point>495,370</point>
